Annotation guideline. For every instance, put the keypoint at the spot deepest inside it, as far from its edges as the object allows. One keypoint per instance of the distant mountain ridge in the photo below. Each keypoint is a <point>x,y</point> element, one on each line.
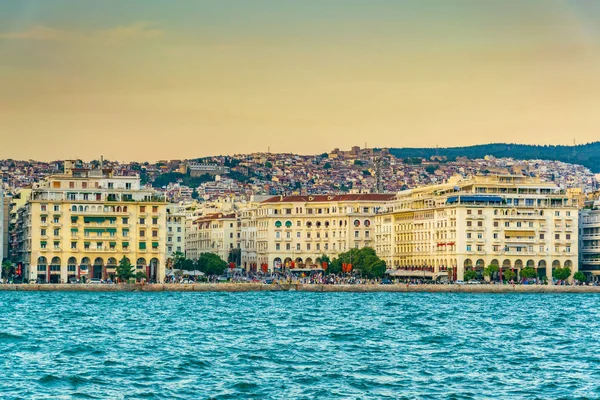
<point>587,155</point>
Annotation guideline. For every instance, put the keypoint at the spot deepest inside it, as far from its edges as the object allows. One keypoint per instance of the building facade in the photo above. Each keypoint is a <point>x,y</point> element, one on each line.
<point>589,240</point>
<point>83,222</point>
<point>216,233</point>
<point>509,221</point>
<point>295,231</point>
<point>3,225</point>
<point>176,215</point>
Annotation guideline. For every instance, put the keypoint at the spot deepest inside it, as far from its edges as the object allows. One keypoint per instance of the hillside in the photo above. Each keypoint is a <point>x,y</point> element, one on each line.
<point>587,155</point>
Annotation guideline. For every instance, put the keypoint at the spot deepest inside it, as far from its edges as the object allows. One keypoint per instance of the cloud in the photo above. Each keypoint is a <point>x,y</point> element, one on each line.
<point>137,30</point>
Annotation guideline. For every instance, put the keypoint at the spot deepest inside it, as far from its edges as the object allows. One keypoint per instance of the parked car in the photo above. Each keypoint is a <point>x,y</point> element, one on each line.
<point>95,281</point>
<point>474,282</point>
<point>73,281</point>
<point>459,282</point>
<point>386,281</point>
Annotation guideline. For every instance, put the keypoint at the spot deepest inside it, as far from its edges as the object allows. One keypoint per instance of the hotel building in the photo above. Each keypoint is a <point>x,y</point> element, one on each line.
<point>295,231</point>
<point>509,221</point>
<point>83,222</point>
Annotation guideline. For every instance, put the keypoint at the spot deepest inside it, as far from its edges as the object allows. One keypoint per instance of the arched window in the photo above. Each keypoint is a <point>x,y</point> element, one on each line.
<point>288,224</point>
<point>277,224</point>
<point>367,223</point>
<point>74,208</point>
<point>308,224</point>
<point>356,223</point>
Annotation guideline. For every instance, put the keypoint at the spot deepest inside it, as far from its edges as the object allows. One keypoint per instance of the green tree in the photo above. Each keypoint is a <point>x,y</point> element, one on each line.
<point>358,162</point>
<point>125,270</point>
<point>430,169</point>
<point>364,261</point>
<point>528,273</point>
<point>211,264</point>
<point>195,194</point>
<point>509,274</point>
<point>470,274</point>
<point>327,165</point>
<point>580,277</point>
<point>269,164</point>
<point>6,267</point>
<point>561,273</point>
<point>140,275</point>
<point>490,270</point>
<point>235,256</point>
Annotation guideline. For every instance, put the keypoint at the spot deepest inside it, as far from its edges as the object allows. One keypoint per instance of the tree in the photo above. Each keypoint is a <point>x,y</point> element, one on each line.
<point>235,256</point>
<point>580,277</point>
<point>195,194</point>
<point>178,260</point>
<point>6,267</point>
<point>327,166</point>
<point>509,274</point>
<point>211,264</point>
<point>470,274</point>
<point>125,270</point>
<point>363,260</point>
<point>490,270</point>
<point>430,169</point>
<point>528,273</point>
<point>561,273</point>
<point>268,164</point>
<point>140,275</point>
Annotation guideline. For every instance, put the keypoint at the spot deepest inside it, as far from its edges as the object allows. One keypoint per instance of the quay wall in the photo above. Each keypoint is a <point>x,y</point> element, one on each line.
<point>258,287</point>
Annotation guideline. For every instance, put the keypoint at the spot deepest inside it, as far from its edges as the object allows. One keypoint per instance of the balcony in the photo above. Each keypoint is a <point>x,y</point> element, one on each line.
<point>590,249</point>
<point>590,236</point>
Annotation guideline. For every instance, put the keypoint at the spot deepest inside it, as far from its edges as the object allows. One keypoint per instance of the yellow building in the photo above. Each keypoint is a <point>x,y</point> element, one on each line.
<point>509,221</point>
<point>83,222</point>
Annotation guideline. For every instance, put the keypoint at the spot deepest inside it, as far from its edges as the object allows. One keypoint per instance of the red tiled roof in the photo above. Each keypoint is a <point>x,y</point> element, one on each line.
<point>323,198</point>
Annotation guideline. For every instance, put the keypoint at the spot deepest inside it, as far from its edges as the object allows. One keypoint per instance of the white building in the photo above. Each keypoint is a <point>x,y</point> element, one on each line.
<point>3,248</point>
<point>295,231</point>
<point>176,215</point>
<point>212,233</point>
<point>589,239</point>
<point>509,221</point>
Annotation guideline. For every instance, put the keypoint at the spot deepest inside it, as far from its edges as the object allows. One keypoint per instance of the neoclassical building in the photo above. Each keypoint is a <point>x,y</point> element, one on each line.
<point>509,221</point>
<point>83,222</point>
<point>295,231</point>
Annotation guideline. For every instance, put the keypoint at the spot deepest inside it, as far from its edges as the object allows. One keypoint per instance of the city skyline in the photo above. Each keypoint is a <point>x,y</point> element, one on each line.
<point>150,82</point>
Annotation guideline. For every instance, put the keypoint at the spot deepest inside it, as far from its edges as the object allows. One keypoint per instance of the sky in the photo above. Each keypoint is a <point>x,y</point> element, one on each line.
<point>158,79</point>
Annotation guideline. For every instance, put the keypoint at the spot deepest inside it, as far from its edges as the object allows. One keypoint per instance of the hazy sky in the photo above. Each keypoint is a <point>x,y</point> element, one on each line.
<point>149,79</point>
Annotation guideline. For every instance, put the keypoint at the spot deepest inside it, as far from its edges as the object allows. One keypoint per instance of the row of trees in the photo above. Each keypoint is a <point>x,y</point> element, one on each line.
<point>526,273</point>
<point>208,263</point>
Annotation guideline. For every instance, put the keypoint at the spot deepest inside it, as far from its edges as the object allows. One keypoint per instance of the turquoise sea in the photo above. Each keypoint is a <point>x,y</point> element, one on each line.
<point>298,345</point>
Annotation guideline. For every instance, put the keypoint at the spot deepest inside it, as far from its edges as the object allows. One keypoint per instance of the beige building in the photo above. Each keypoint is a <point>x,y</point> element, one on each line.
<point>509,221</point>
<point>216,233</point>
<point>295,231</point>
<point>176,215</point>
<point>83,222</point>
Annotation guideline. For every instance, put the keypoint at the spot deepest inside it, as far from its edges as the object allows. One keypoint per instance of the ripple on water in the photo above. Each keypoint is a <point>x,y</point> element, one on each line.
<point>299,345</point>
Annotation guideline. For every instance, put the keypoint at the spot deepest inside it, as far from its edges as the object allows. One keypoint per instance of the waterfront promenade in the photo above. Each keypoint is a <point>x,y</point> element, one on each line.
<point>260,287</point>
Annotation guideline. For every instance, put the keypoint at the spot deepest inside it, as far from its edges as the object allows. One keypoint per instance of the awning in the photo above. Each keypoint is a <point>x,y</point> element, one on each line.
<point>111,230</point>
<point>101,230</point>
<point>154,244</point>
<point>474,199</point>
<point>125,244</point>
<point>43,242</point>
<point>142,245</point>
<point>86,243</point>
<point>112,243</point>
<point>74,230</point>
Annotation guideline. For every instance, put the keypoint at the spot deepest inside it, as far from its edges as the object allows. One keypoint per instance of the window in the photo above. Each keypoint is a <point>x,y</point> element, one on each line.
<point>541,236</point>
<point>56,207</point>
<point>479,248</point>
<point>44,207</point>
<point>179,239</point>
<point>169,239</point>
<point>318,246</point>
<point>568,249</point>
<point>557,236</point>
<point>298,234</point>
<point>142,221</point>
<point>298,246</point>
<point>469,235</point>
<point>142,209</point>
<point>278,235</point>
<point>469,223</point>
<point>479,212</point>
<point>99,245</point>
<point>568,236</point>
<point>557,213</point>
<point>111,185</point>
<point>277,246</point>
<point>125,221</point>
<point>154,209</point>
<point>288,235</point>
<point>480,223</point>
<point>288,246</point>
<point>518,224</point>
<point>468,212</point>
<point>56,232</point>
<point>367,234</point>
<point>507,224</point>
<point>154,221</point>
<point>154,234</point>
<point>86,246</point>
<point>468,247</point>
<point>142,233</point>
<point>308,246</point>
<point>73,245</point>
<point>356,233</point>
<point>44,220</point>
<point>42,245</point>
<point>495,236</point>
<point>568,213</point>
<point>178,229</point>
<point>480,236</point>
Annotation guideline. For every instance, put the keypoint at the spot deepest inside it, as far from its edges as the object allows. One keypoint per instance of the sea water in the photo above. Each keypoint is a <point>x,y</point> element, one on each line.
<point>298,345</point>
